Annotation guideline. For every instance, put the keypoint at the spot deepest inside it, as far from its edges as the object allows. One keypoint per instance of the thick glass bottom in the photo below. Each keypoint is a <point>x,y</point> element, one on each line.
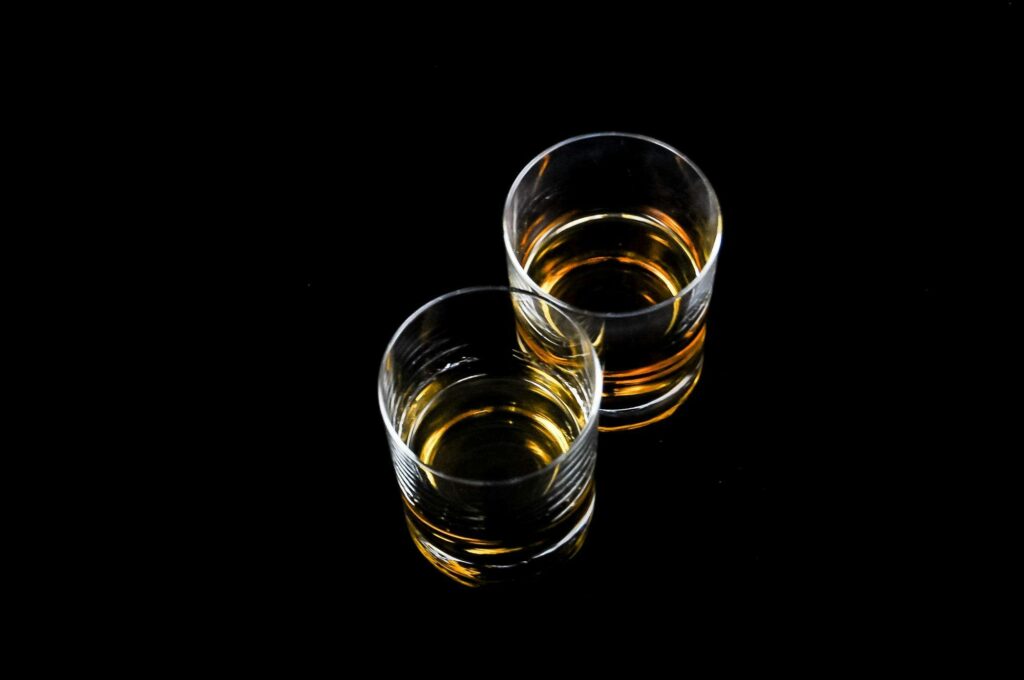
<point>475,566</point>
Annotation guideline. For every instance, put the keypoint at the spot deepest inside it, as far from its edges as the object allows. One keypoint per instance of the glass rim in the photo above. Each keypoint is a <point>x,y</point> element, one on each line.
<point>712,258</point>
<point>574,447</point>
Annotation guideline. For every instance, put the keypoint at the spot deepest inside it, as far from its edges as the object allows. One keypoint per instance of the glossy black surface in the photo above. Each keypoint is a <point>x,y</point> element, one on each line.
<point>826,361</point>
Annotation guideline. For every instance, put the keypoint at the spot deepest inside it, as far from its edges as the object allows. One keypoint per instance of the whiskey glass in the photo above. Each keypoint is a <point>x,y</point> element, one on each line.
<point>623,233</point>
<point>490,398</point>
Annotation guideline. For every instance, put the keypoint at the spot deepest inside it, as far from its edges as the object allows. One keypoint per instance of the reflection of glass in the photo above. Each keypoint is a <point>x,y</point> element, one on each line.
<point>623,231</point>
<point>490,398</point>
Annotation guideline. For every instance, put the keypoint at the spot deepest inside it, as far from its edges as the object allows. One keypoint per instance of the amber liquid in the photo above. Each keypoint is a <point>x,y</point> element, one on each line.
<point>493,429</point>
<point>625,262</point>
<point>508,431</point>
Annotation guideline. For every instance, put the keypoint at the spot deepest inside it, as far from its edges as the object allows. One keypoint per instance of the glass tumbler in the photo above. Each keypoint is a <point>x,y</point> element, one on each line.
<point>490,399</point>
<point>623,232</point>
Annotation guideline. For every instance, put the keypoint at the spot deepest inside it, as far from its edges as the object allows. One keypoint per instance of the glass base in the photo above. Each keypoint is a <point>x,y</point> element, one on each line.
<point>483,568</point>
<point>613,420</point>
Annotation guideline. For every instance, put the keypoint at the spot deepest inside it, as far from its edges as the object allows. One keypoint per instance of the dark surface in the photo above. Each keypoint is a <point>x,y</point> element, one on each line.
<point>832,285</point>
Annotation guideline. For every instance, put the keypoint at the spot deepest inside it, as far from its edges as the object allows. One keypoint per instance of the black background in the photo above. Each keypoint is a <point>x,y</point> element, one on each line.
<point>369,189</point>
